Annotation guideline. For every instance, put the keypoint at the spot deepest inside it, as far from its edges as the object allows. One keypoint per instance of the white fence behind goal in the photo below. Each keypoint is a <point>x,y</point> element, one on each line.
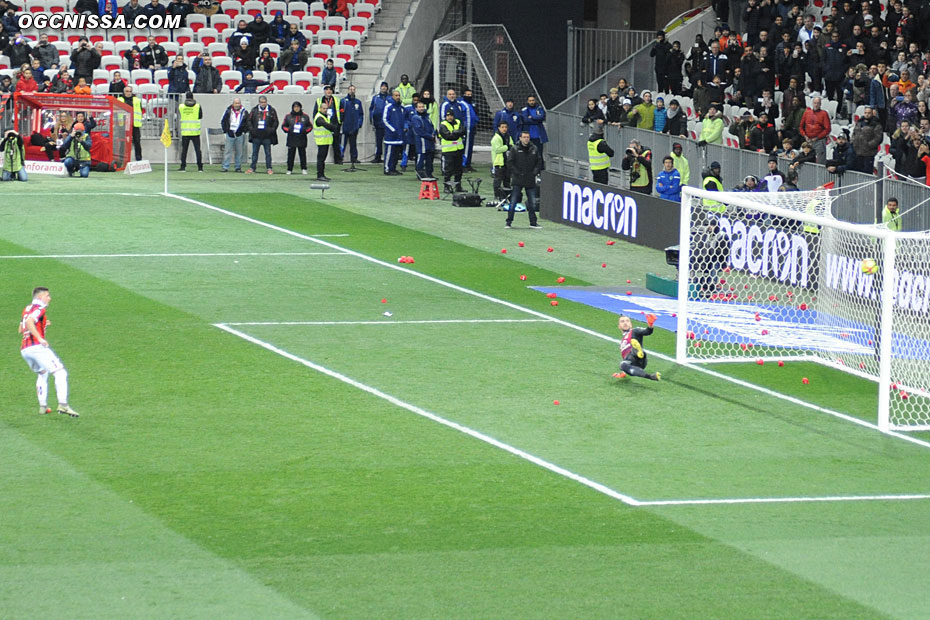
<point>772,276</point>
<point>484,59</point>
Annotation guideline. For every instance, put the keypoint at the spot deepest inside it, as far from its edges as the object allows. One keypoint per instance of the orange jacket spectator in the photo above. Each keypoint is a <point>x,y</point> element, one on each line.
<point>82,89</point>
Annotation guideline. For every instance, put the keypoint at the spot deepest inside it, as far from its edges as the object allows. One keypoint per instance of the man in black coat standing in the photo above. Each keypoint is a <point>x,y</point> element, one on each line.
<point>661,50</point>
<point>524,162</point>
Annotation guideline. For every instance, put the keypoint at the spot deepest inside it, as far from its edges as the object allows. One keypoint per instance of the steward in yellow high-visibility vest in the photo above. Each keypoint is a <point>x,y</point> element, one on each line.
<point>811,209</point>
<point>500,144</point>
<point>451,132</point>
<point>712,182</point>
<point>137,116</point>
<point>324,130</point>
<point>599,154</point>
<point>334,115</point>
<point>406,90</point>
<point>190,115</point>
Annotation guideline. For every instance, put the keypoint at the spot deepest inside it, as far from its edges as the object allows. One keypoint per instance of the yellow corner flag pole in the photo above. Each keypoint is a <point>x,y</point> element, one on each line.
<point>166,140</point>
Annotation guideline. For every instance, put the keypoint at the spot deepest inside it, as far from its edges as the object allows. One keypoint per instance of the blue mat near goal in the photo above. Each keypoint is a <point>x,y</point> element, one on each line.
<point>734,322</point>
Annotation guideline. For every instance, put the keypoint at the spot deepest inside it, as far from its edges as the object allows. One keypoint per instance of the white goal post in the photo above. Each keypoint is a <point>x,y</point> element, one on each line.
<point>771,277</point>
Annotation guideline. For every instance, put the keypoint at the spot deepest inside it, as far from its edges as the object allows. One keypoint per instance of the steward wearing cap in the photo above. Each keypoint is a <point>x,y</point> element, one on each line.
<point>638,161</point>
<point>190,115</point>
<point>712,182</point>
<point>599,154</point>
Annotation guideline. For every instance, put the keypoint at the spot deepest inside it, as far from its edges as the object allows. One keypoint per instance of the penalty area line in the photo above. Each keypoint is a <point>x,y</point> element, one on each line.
<point>781,500</point>
<point>526,456</point>
<point>388,322</point>
<point>579,328</point>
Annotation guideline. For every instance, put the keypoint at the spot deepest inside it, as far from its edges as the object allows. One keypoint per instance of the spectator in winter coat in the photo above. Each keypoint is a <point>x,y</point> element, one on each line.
<point>265,61</point>
<point>82,87</point>
<point>743,130</point>
<point>250,85</point>
<point>153,8</point>
<point>668,181</point>
<point>533,119</point>
<point>242,32</point>
<point>235,124</point>
<point>208,77</point>
<point>154,56</point>
<point>45,52</point>
<point>661,51</point>
<point>84,59</point>
<point>26,83</point>
<point>62,82</point>
<point>260,31</point>
<point>353,117</point>
<point>675,122</point>
<point>132,10</point>
<point>278,30</point>
<point>117,84</point>
<point>293,59</point>
<point>805,155</point>
<point>673,67</point>
<point>815,127</point>
<point>866,138</point>
<point>328,76</point>
<point>906,110</point>
<point>763,136</point>
<point>178,78</point>
<point>660,116</point>
<point>244,58</point>
<point>644,113</point>
<point>844,158</point>
<point>294,34</point>
<point>711,128</point>
<point>180,8</point>
<point>511,116</point>
<point>593,114</point>
<point>773,179</point>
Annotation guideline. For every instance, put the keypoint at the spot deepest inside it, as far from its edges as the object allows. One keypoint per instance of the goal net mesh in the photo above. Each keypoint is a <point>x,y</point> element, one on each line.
<point>765,287</point>
<point>484,59</point>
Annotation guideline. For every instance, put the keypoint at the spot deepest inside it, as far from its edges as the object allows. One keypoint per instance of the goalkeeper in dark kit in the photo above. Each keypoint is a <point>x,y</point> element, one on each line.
<point>631,348</point>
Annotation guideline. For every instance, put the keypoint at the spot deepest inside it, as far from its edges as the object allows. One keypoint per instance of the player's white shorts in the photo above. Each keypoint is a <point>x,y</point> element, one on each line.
<point>42,359</point>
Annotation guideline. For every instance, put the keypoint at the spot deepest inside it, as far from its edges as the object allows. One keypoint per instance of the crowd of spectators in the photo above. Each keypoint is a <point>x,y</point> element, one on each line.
<point>791,78</point>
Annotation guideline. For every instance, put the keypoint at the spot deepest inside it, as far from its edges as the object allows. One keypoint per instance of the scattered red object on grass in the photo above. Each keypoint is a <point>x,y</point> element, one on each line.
<point>743,346</point>
<point>765,332</point>
<point>611,242</point>
<point>749,345</point>
<point>780,363</point>
<point>789,294</point>
<point>745,286</point>
<point>629,292</point>
<point>555,402</point>
<point>674,314</point>
<point>773,297</point>
<point>523,277</point>
<point>749,296</point>
<point>760,362</point>
<point>699,344</point>
<point>553,303</point>
<point>603,264</point>
<point>504,251</point>
<point>520,244</point>
<point>802,307</point>
<point>577,255</point>
<point>383,300</point>
<point>805,380</point>
<point>619,375</point>
<point>758,318</point>
<point>894,386</point>
<point>551,295</point>
<point>549,249</point>
<point>629,282</point>
<point>560,279</point>
<point>904,395</point>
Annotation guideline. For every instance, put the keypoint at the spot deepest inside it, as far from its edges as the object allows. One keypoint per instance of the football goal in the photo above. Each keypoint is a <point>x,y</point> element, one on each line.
<point>769,277</point>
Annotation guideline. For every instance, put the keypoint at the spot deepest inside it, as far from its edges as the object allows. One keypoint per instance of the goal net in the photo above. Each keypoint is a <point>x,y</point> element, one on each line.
<point>482,58</point>
<point>773,276</point>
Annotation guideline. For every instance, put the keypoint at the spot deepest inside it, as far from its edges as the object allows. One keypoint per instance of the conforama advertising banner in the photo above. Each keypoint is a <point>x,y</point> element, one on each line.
<point>613,212</point>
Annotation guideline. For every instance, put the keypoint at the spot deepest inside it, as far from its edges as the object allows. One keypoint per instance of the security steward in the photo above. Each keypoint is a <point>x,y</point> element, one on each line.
<point>136,104</point>
<point>334,115</point>
<point>324,131</point>
<point>451,132</point>
<point>712,182</point>
<point>191,116</point>
<point>599,154</point>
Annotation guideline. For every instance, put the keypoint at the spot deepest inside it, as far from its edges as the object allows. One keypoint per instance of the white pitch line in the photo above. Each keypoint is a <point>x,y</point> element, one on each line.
<point>84,194</point>
<point>389,322</point>
<point>781,500</point>
<point>579,328</point>
<point>174,255</point>
<point>600,488</point>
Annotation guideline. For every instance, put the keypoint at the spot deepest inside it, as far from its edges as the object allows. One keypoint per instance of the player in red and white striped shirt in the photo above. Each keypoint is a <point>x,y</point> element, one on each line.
<point>40,357</point>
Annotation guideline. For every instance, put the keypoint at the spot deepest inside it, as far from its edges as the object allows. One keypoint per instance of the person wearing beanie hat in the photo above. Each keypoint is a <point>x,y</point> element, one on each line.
<point>375,115</point>
<point>773,178</point>
<point>599,154</point>
<point>660,114</point>
<point>661,51</point>
<point>76,148</point>
<point>278,30</point>
<point>713,182</point>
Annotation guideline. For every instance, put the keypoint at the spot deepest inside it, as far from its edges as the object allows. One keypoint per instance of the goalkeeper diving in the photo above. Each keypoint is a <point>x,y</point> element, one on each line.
<point>631,348</point>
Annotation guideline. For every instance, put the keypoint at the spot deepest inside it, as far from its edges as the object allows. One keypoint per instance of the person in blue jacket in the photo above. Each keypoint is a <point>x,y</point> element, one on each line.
<point>353,117</point>
<point>393,118</point>
<point>532,119</point>
<point>425,137</point>
<point>509,115</point>
<point>668,182</point>
<point>410,141</point>
<point>451,101</point>
<point>471,129</point>
<point>376,116</point>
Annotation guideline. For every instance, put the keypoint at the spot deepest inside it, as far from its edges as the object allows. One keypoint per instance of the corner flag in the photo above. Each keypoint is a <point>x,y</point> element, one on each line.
<point>166,135</point>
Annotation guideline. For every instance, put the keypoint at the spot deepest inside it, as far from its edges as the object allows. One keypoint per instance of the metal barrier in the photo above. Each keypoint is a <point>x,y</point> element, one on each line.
<point>567,154</point>
<point>639,68</point>
<point>593,51</point>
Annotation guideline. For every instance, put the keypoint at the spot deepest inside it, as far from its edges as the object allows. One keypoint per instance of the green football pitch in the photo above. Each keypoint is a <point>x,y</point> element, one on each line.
<point>278,420</point>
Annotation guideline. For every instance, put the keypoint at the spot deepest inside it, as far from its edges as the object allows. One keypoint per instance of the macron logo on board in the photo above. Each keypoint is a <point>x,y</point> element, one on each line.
<point>596,209</point>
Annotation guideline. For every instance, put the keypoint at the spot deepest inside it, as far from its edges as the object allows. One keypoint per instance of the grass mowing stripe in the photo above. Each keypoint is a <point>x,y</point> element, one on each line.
<point>423,322</point>
<point>600,488</point>
<point>172,255</point>
<point>585,330</point>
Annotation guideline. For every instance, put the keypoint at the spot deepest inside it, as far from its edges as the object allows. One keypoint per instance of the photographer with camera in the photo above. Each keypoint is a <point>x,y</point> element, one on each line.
<point>638,160</point>
<point>77,151</point>
<point>14,157</point>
